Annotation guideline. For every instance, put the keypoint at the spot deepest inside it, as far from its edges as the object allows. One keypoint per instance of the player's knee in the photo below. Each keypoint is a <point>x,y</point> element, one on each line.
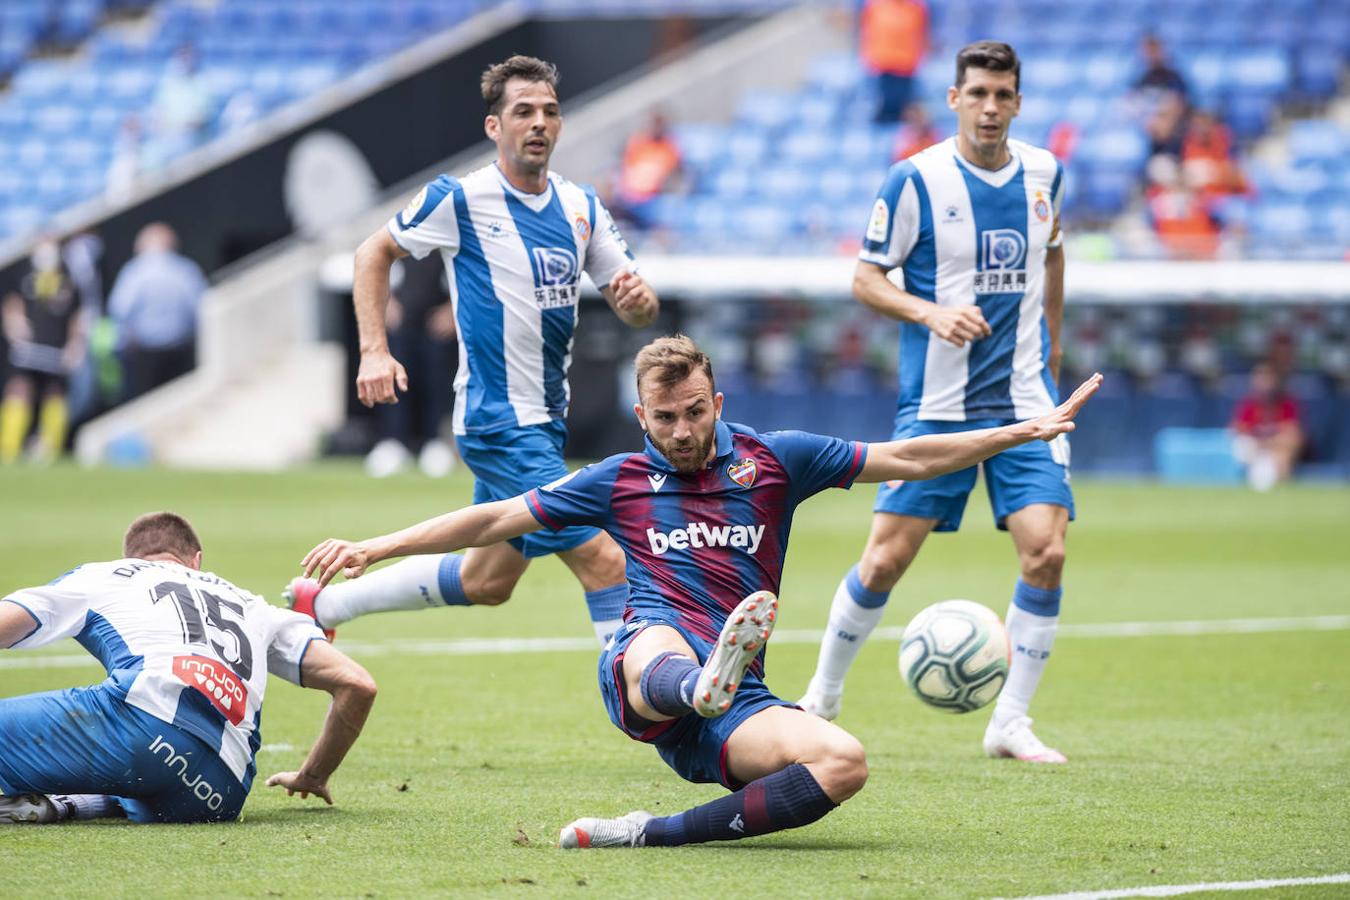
<point>1044,562</point>
<point>843,769</point>
<point>490,590</point>
<point>881,567</point>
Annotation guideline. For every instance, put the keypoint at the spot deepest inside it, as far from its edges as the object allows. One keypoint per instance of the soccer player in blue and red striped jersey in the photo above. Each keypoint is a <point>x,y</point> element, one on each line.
<point>702,515</point>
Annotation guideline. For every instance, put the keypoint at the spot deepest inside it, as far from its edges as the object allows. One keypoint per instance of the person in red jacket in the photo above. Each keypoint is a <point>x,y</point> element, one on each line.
<point>1268,436</point>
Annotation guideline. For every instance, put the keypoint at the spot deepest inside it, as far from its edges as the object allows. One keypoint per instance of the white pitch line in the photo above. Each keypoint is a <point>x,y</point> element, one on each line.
<point>506,646</point>
<point>1172,890</point>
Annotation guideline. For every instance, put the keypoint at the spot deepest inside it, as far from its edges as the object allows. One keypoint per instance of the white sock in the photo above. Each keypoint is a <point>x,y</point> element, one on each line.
<point>86,806</point>
<point>848,627</point>
<point>1031,637</point>
<point>605,629</point>
<point>413,583</point>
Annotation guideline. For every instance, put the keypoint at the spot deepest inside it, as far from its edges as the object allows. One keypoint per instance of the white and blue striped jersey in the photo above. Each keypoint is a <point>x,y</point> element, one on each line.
<point>185,646</point>
<point>514,262</point>
<point>964,235</point>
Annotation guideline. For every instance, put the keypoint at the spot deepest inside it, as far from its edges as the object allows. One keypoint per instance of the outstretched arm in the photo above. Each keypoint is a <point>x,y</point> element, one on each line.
<point>353,690</point>
<point>918,458</point>
<point>472,526</point>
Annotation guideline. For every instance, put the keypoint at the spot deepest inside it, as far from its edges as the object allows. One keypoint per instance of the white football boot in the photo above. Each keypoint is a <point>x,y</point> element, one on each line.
<point>625,831</point>
<point>819,703</point>
<point>28,809</point>
<point>1015,740</point>
<point>748,627</point>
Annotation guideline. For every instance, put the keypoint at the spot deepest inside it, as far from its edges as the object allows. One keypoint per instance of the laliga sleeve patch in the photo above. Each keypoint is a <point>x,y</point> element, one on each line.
<point>414,206</point>
<point>878,227</point>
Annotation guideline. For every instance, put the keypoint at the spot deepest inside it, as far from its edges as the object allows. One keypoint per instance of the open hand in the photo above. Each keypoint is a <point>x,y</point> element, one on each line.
<point>304,785</point>
<point>1051,426</point>
<point>333,556</point>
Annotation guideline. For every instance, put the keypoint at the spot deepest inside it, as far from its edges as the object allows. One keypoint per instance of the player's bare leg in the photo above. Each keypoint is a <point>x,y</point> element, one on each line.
<point>892,545</point>
<point>1038,532</point>
<point>601,568</point>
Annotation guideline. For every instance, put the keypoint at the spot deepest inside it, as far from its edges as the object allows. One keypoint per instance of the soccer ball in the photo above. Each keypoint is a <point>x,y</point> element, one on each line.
<point>954,655</point>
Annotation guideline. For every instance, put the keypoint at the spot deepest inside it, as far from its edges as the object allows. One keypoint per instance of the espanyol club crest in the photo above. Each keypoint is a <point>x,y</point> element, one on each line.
<point>743,472</point>
<point>1040,207</point>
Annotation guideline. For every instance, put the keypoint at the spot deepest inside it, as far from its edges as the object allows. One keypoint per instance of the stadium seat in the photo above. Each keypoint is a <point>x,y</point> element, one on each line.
<point>1196,456</point>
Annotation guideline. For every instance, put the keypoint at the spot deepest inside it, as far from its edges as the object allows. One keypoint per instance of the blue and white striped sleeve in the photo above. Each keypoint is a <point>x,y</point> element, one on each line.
<point>429,221</point>
<point>607,253</point>
<point>1056,201</point>
<point>893,228</point>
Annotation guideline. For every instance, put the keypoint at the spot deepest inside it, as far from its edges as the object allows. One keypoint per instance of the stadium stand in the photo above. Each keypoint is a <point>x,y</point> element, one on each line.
<point>1080,64</point>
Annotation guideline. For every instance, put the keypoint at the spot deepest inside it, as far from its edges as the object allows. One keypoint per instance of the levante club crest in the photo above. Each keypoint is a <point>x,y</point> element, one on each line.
<point>743,472</point>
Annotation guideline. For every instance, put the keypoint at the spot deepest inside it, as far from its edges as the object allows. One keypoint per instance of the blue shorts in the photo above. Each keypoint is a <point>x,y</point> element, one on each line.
<point>87,740</point>
<point>508,463</point>
<point>1037,472</point>
<point>695,747</point>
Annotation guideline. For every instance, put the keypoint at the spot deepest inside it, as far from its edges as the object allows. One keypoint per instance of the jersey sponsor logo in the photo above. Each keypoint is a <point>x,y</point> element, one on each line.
<point>557,277</point>
<point>414,206</point>
<point>699,535</point>
<point>200,787</point>
<point>1003,254</point>
<point>657,481</point>
<point>878,227</point>
<point>1041,208</point>
<point>216,683</point>
<point>743,472</point>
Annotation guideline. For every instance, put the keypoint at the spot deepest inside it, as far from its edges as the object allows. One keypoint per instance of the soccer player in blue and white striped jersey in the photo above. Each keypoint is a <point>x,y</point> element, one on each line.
<point>973,225</point>
<point>515,239</point>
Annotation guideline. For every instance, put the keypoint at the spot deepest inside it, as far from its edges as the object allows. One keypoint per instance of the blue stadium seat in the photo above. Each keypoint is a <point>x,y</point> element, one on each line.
<point>765,109</point>
<point>1317,141</point>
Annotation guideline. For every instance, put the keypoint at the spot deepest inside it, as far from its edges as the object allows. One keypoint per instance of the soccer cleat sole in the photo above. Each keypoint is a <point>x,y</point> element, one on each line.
<point>26,809</point>
<point>747,629</point>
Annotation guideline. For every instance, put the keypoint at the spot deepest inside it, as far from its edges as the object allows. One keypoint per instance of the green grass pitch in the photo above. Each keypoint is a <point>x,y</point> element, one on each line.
<point>1218,757</point>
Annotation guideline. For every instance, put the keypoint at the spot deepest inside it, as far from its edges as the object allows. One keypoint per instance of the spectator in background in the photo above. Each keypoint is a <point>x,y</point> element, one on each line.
<point>1165,126</point>
<point>44,329</point>
<point>1179,214</point>
<point>916,132</point>
<point>650,165</point>
<point>420,319</point>
<point>1267,435</point>
<point>154,304</point>
<point>893,38</point>
<point>1159,77</point>
<point>1207,157</point>
<point>183,106</point>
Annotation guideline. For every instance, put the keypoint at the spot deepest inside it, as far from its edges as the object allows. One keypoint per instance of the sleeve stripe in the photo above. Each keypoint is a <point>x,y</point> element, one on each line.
<point>859,457</point>
<point>537,510</point>
<point>37,623</point>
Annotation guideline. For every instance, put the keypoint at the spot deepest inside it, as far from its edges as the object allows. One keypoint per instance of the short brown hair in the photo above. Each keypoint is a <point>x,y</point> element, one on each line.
<point>161,532</point>
<point>526,67</point>
<point>995,56</point>
<point>671,360</point>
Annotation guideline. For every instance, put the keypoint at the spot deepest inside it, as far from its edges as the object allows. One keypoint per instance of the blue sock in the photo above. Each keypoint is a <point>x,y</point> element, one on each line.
<point>860,594</point>
<point>607,604</point>
<point>447,579</point>
<point>1037,601</point>
<point>668,683</point>
<point>789,798</point>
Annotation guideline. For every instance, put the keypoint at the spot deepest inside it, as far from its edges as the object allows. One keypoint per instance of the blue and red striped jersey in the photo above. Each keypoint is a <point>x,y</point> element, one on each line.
<point>699,543</point>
